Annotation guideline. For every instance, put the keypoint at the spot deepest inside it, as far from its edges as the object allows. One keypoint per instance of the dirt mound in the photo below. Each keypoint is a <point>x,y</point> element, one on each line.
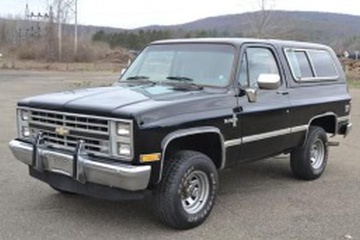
<point>351,65</point>
<point>119,55</point>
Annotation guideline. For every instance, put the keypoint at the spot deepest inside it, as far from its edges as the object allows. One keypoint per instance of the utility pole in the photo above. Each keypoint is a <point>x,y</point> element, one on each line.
<point>59,29</point>
<point>76,30</point>
<point>63,7</point>
<point>73,6</point>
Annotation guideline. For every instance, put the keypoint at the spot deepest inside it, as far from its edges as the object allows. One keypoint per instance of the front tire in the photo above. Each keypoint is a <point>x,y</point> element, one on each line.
<point>185,196</point>
<point>309,161</point>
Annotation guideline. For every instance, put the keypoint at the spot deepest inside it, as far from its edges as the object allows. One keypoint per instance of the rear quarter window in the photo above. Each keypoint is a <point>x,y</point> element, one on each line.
<point>311,65</point>
<point>324,65</point>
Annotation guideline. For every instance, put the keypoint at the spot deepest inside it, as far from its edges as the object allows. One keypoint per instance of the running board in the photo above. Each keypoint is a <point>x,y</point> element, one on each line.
<point>333,144</point>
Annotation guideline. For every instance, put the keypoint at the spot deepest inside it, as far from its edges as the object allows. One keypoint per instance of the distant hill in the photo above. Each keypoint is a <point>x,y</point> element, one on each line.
<point>341,31</point>
<point>328,28</point>
<point>234,23</point>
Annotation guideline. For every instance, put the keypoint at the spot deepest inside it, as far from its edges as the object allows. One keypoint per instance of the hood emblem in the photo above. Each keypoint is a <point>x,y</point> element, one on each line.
<point>62,131</point>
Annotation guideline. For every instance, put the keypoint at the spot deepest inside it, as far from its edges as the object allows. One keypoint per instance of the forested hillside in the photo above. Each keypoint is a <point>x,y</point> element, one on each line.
<point>340,31</point>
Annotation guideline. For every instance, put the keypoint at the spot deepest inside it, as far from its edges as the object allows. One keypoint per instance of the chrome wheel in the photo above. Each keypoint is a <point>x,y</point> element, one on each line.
<point>195,192</point>
<point>317,154</point>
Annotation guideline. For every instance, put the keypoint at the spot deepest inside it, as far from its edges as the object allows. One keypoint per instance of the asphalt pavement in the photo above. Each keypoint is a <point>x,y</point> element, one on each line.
<point>260,200</point>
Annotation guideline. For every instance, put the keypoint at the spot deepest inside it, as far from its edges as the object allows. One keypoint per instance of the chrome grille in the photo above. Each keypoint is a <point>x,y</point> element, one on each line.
<point>70,121</point>
<point>94,131</point>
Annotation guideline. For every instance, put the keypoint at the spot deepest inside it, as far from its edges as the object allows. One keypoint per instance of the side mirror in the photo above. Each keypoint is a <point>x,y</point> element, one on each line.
<point>251,94</point>
<point>269,81</point>
<point>123,71</point>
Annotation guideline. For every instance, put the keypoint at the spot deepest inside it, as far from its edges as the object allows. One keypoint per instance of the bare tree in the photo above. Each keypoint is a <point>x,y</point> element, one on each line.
<point>9,30</point>
<point>65,10</point>
<point>3,32</point>
<point>262,17</point>
<point>50,36</point>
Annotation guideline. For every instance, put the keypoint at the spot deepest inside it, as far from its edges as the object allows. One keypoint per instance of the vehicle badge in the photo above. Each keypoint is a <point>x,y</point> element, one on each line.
<point>62,131</point>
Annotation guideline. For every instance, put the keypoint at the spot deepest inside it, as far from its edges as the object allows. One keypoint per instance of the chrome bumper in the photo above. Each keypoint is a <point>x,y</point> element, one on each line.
<point>81,167</point>
<point>348,129</point>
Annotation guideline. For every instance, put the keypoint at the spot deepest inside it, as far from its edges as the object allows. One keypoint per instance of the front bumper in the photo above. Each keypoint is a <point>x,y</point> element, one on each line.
<point>348,129</point>
<point>81,167</point>
<point>345,129</point>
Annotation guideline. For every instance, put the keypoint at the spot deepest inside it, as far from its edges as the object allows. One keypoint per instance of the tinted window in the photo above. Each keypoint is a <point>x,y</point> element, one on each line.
<point>323,64</point>
<point>256,61</point>
<point>311,64</point>
<point>243,78</point>
<point>300,64</point>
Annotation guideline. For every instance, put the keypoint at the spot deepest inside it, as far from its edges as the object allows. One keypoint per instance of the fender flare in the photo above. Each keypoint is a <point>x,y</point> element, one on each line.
<point>190,132</point>
<point>327,114</point>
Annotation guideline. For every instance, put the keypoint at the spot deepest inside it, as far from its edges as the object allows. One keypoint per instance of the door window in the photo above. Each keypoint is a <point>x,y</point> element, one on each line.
<point>256,61</point>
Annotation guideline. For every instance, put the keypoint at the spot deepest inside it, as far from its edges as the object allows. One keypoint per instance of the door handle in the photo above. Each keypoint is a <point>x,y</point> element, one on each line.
<point>282,92</point>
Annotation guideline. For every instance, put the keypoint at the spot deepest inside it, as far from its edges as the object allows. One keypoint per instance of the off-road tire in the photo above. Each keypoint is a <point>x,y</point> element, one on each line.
<point>187,176</point>
<point>309,161</point>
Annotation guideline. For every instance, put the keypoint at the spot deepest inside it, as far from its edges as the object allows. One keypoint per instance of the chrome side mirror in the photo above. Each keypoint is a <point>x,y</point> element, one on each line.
<point>251,94</point>
<point>269,81</point>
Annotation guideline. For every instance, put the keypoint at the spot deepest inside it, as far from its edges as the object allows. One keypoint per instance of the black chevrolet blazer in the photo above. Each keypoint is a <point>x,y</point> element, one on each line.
<point>181,112</point>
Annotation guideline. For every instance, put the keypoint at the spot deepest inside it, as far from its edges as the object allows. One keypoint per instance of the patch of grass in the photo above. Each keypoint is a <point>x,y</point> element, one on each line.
<point>353,83</point>
<point>82,84</point>
<point>88,84</point>
<point>353,79</point>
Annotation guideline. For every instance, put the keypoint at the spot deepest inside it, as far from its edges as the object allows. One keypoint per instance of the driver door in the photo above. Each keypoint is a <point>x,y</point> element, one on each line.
<point>265,122</point>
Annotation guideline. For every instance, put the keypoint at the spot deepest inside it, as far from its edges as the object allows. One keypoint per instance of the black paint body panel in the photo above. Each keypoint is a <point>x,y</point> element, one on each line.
<point>160,110</point>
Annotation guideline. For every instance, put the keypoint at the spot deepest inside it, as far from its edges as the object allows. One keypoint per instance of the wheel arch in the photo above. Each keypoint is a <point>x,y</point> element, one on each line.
<point>328,121</point>
<point>190,138</point>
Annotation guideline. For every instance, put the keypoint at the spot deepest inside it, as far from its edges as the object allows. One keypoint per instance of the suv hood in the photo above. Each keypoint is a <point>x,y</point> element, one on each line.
<point>91,101</point>
<point>145,102</point>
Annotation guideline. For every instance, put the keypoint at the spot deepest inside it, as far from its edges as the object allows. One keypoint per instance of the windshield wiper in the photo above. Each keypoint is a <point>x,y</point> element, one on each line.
<point>138,78</point>
<point>178,78</point>
<point>185,81</point>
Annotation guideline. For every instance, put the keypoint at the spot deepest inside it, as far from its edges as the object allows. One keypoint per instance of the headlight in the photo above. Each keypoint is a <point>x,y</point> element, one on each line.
<point>25,131</point>
<point>124,149</point>
<point>121,139</point>
<point>24,115</point>
<point>23,123</point>
<point>123,129</point>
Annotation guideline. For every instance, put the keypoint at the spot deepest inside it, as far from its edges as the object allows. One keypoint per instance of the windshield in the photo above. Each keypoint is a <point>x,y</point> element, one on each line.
<point>201,64</point>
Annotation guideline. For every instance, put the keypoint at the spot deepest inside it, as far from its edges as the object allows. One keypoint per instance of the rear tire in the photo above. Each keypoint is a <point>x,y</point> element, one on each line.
<point>186,194</point>
<point>309,161</point>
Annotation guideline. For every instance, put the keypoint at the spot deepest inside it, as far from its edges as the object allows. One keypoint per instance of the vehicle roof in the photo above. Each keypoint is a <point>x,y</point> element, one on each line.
<point>240,41</point>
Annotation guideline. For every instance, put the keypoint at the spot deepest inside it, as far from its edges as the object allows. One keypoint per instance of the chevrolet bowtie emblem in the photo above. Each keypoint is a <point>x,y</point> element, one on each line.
<point>62,131</point>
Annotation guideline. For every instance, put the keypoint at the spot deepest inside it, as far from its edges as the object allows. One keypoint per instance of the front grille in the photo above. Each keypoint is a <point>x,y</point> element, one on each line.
<point>92,130</point>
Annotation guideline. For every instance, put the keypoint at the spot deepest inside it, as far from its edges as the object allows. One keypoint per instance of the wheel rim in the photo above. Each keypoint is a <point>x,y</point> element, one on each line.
<point>317,154</point>
<point>195,192</point>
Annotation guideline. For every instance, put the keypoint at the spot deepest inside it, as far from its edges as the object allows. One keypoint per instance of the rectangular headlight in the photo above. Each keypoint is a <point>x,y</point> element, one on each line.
<point>23,123</point>
<point>25,131</point>
<point>121,139</point>
<point>123,129</point>
<point>124,149</point>
<point>24,115</point>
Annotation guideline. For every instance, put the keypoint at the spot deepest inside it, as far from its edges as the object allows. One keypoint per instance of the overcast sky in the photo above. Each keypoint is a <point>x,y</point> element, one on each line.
<point>136,13</point>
